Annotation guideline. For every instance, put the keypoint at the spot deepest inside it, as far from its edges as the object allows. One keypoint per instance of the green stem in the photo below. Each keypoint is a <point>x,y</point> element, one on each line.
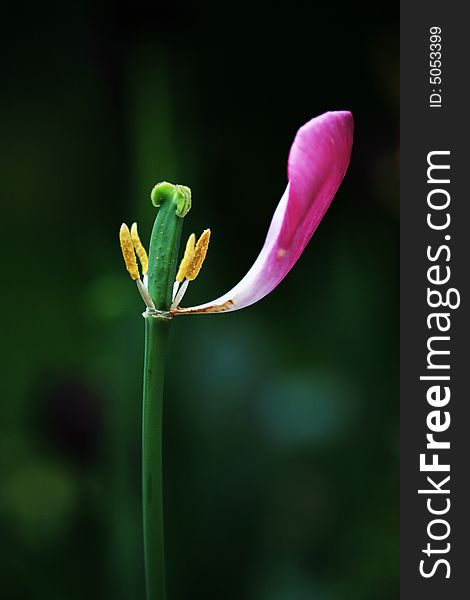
<point>156,335</point>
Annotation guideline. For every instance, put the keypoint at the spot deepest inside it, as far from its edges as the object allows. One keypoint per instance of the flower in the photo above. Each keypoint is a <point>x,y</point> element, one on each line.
<point>318,160</point>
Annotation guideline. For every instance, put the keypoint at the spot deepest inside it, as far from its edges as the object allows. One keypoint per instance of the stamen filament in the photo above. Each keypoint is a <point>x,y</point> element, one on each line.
<point>180,294</point>
<point>145,295</point>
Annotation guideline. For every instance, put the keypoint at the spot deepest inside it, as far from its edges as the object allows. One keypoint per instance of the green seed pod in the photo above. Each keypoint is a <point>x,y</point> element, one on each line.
<point>174,203</point>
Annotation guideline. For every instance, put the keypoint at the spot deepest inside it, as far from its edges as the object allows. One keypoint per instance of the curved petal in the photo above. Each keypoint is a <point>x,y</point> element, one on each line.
<point>317,163</point>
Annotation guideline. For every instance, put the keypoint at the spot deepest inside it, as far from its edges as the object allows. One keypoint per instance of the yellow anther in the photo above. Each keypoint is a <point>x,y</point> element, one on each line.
<point>199,255</point>
<point>187,258</point>
<point>139,249</point>
<point>128,252</point>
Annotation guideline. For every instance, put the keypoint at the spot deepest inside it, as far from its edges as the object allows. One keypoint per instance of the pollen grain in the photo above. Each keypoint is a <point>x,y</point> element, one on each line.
<point>187,258</point>
<point>128,252</point>
<point>139,249</point>
<point>199,255</point>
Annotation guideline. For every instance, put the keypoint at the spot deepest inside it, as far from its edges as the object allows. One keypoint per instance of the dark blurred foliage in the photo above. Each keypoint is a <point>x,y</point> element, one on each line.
<point>281,420</point>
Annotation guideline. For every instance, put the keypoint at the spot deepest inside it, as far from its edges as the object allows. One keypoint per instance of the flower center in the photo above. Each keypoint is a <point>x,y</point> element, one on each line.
<point>190,266</point>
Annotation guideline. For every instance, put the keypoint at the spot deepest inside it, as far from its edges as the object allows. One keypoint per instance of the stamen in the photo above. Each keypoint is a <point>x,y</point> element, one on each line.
<point>130,244</point>
<point>187,258</point>
<point>199,255</point>
<point>139,249</point>
<point>128,252</point>
<point>190,265</point>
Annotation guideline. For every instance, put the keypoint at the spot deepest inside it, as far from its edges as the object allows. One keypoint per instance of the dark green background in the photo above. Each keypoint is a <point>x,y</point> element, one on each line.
<point>281,421</point>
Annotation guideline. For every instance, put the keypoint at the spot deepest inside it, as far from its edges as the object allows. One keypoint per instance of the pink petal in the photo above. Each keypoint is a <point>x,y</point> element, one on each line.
<point>317,163</point>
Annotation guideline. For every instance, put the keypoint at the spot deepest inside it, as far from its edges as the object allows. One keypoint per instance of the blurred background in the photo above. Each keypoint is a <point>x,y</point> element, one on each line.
<point>281,421</point>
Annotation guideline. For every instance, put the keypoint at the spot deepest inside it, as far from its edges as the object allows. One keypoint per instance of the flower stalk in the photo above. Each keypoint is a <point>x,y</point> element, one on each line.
<point>156,336</point>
